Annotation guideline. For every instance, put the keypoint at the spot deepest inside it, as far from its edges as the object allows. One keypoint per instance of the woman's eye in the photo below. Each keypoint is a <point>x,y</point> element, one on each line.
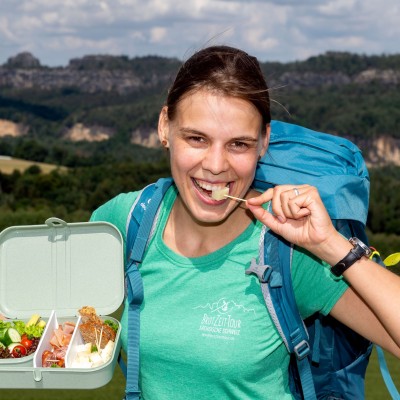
<point>196,139</point>
<point>240,145</point>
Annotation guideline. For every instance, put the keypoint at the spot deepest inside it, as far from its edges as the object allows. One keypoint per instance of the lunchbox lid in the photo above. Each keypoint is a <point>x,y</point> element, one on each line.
<point>60,266</point>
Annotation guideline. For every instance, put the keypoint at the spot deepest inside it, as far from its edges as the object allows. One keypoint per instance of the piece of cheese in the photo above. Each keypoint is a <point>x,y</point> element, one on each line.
<point>220,194</point>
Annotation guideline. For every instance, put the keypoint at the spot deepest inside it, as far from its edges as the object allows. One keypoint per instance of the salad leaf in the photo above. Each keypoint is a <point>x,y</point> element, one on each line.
<point>19,326</point>
<point>4,324</point>
<point>34,331</point>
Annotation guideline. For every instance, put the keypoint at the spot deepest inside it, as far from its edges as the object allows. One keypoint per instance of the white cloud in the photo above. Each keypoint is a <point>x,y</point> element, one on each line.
<point>337,7</point>
<point>157,34</point>
<point>6,31</point>
<point>58,30</point>
<point>50,17</point>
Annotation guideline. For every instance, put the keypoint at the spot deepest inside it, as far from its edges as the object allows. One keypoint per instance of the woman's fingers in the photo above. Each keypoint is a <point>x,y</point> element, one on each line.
<point>298,214</point>
<point>288,201</point>
<point>298,206</point>
<point>261,199</point>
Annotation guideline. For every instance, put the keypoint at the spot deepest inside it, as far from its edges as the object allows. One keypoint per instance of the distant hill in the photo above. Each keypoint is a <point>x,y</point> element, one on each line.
<point>120,74</point>
<point>90,74</point>
<point>102,107</point>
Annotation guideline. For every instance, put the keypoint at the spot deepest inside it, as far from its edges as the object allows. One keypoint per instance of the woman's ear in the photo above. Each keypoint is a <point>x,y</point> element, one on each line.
<point>265,140</point>
<point>163,127</point>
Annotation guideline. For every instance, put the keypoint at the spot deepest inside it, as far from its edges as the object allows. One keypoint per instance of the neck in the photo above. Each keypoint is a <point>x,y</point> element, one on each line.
<point>192,238</point>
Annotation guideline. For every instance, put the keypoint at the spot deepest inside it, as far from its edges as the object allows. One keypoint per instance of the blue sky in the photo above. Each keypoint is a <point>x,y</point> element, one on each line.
<point>56,31</point>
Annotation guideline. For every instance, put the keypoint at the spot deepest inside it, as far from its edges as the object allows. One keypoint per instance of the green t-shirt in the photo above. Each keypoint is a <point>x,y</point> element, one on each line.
<point>205,330</point>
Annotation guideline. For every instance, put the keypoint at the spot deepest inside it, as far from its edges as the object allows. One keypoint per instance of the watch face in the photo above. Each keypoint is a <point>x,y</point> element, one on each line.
<point>357,242</point>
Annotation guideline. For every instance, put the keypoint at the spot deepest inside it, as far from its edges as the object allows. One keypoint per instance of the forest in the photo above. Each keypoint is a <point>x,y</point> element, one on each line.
<point>30,197</point>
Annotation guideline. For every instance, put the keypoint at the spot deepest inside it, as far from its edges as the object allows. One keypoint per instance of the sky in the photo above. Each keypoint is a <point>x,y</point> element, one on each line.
<point>56,31</point>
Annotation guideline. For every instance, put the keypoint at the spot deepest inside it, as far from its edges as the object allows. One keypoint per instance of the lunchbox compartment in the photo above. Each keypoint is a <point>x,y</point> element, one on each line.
<point>80,353</point>
<point>18,362</point>
<point>45,340</point>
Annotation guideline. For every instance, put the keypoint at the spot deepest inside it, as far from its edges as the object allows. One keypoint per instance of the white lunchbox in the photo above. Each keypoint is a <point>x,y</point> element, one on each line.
<point>57,268</point>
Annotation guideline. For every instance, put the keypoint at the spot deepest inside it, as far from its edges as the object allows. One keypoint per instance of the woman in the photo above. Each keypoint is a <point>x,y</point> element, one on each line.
<point>205,331</point>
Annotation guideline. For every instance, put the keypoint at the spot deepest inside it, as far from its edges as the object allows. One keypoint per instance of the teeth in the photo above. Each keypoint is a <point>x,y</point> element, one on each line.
<point>209,187</point>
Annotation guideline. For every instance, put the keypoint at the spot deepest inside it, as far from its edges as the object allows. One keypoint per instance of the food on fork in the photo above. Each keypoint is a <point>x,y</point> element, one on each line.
<point>220,194</point>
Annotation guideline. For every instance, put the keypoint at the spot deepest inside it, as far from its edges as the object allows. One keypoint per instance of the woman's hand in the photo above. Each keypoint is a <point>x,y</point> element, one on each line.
<point>298,215</point>
<point>370,306</point>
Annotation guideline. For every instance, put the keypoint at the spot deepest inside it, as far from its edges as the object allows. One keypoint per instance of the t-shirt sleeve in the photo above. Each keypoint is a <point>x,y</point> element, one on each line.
<point>116,211</point>
<point>315,288</point>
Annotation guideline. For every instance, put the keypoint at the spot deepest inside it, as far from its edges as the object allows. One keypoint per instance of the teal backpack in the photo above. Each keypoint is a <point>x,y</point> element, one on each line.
<point>328,360</point>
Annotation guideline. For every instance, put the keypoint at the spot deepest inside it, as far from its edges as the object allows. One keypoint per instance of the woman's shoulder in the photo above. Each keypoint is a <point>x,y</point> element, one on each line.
<point>116,210</point>
<point>117,204</point>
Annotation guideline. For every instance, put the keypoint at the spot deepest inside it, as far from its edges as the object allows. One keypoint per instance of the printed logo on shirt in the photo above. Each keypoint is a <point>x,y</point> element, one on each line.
<point>222,319</point>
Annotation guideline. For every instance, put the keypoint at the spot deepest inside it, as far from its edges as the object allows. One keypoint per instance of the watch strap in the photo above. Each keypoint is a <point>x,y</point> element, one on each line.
<point>359,250</point>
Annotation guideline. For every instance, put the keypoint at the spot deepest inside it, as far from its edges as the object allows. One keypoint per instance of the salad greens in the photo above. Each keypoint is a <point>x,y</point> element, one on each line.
<point>22,328</point>
<point>111,324</point>
<point>19,326</point>
<point>34,331</point>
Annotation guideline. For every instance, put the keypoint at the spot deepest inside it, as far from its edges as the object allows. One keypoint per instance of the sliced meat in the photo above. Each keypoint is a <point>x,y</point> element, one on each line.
<point>69,327</point>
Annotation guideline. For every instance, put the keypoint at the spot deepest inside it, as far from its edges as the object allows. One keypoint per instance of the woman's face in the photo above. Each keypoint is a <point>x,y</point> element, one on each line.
<point>214,142</point>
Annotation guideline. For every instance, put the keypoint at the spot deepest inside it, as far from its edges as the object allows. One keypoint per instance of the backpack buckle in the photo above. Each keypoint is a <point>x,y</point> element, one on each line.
<point>264,278</point>
<point>302,349</point>
<point>263,272</point>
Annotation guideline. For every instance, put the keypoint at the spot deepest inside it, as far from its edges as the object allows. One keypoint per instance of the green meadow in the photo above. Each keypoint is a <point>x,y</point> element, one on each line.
<point>8,165</point>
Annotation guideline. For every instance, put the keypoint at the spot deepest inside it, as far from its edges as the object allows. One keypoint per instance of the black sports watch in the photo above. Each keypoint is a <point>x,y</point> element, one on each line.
<point>359,250</point>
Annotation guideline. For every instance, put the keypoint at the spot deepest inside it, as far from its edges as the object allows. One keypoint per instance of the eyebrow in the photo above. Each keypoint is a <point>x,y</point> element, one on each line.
<point>191,130</point>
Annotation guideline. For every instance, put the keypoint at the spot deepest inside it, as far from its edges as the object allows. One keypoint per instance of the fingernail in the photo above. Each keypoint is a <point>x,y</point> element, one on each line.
<point>281,219</point>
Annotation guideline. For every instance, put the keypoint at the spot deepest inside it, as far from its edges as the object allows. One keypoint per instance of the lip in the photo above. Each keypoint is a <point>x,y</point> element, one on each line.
<point>206,199</point>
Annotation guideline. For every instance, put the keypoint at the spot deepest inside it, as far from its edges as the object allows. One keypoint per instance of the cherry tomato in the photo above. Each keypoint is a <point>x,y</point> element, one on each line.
<point>27,343</point>
<point>18,351</point>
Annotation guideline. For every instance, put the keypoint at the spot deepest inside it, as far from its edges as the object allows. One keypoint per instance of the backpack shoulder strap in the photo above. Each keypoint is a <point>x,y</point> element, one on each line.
<point>141,217</point>
<point>139,226</point>
<point>390,385</point>
<point>274,274</point>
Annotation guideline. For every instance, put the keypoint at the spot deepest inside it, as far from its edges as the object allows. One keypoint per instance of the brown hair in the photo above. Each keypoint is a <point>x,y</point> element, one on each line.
<point>226,70</point>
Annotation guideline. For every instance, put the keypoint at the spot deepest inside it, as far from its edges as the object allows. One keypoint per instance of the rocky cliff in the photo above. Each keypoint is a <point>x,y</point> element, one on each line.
<point>91,74</point>
<point>297,80</point>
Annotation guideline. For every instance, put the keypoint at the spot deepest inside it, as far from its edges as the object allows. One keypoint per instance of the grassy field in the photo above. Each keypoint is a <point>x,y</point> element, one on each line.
<point>375,388</point>
<point>8,165</point>
<point>114,390</point>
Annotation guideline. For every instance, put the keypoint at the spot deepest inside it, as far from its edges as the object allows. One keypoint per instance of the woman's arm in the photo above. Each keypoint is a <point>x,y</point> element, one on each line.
<point>370,307</point>
<point>352,311</point>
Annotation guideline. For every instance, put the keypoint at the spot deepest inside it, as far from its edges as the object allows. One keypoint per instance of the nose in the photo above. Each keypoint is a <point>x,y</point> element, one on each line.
<point>215,160</point>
